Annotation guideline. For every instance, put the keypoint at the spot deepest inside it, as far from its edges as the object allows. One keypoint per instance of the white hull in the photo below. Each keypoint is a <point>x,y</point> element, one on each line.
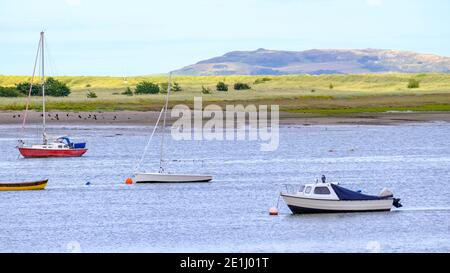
<point>170,178</point>
<point>308,205</point>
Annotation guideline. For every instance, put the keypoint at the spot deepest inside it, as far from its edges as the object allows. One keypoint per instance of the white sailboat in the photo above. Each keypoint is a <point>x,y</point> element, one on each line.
<point>163,176</point>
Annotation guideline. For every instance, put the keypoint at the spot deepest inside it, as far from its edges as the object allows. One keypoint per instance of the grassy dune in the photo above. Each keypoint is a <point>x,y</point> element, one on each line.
<point>297,93</point>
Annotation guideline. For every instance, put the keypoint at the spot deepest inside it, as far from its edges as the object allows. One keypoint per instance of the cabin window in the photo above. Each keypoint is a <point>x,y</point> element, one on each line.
<point>308,190</point>
<point>321,190</point>
<point>60,146</point>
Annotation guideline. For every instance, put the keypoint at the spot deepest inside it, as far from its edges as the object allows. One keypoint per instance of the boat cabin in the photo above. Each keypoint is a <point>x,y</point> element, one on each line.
<point>317,191</point>
<point>51,146</point>
<point>332,191</point>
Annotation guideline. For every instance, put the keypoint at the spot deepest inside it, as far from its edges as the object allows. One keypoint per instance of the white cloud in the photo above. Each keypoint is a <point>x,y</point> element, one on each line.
<point>73,3</point>
<point>374,3</point>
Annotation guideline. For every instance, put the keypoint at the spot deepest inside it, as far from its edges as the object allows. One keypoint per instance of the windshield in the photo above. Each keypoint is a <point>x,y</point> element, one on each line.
<point>302,188</point>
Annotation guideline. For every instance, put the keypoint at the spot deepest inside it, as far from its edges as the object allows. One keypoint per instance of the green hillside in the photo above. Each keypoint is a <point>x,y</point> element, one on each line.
<point>324,93</point>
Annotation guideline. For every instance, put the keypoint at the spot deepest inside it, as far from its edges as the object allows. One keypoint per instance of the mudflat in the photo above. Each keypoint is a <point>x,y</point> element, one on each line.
<point>150,117</point>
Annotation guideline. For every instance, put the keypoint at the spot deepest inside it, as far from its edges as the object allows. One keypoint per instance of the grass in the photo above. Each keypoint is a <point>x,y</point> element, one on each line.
<point>295,93</point>
<point>356,110</point>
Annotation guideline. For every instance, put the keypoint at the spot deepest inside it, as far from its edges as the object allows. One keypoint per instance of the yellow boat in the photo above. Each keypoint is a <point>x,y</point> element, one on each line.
<point>23,186</point>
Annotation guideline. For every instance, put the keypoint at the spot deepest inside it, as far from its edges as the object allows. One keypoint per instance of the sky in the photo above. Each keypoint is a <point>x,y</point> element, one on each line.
<point>141,37</point>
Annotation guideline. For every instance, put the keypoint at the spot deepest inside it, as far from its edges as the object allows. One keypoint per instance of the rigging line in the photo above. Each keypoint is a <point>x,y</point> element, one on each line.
<point>49,57</point>
<point>139,163</point>
<point>31,87</point>
<point>164,124</point>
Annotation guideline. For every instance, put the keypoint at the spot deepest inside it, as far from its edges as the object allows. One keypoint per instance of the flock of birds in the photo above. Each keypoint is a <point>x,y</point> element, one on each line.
<point>76,116</point>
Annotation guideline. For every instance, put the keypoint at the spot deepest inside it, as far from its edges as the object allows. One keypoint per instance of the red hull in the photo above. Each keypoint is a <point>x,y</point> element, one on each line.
<point>30,152</point>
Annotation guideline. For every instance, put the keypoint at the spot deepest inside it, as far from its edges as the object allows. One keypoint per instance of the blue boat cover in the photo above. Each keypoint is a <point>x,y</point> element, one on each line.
<point>67,140</point>
<point>71,144</point>
<point>346,194</point>
<point>79,145</point>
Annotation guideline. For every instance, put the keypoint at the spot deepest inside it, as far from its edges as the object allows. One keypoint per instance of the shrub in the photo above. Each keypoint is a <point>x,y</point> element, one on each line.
<point>88,85</point>
<point>56,88</point>
<point>127,92</point>
<point>53,88</point>
<point>8,92</point>
<point>262,80</point>
<point>241,86</point>
<point>331,86</point>
<point>221,86</point>
<point>173,87</point>
<point>176,87</point>
<point>91,95</point>
<point>206,90</point>
<point>413,83</point>
<point>146,87</point>
<point>24,88</point>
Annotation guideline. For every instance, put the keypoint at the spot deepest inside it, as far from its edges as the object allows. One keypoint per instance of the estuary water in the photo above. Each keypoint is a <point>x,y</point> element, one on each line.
<point>230,214</point>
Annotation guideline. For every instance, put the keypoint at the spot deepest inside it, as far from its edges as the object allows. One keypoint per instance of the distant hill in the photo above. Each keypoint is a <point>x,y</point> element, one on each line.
<point>318,61</point>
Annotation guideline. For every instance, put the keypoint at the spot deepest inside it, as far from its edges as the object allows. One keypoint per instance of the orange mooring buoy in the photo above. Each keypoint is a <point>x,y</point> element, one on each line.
<point>273,211</point>
<point>129,181</point>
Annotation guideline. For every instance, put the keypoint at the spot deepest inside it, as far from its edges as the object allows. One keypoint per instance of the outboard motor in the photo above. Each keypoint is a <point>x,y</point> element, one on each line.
<point>397,203</point>
<point>385,193</point>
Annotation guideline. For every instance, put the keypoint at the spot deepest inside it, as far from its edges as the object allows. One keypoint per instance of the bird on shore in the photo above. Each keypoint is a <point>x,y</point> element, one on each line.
<point>79,116</point>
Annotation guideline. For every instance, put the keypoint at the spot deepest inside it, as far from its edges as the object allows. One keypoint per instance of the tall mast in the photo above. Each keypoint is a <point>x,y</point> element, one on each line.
<point>36,62</point>
<point>164,125</point>
<point>44,135</point>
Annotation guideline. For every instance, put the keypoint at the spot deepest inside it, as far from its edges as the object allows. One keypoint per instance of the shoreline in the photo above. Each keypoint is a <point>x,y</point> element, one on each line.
<point>286,118</point>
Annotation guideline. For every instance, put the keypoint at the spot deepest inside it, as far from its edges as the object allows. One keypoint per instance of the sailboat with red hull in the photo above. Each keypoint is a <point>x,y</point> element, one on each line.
<point>56,147</point>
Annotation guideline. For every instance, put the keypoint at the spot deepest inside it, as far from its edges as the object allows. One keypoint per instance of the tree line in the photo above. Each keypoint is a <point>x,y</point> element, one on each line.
<point>53,88</point>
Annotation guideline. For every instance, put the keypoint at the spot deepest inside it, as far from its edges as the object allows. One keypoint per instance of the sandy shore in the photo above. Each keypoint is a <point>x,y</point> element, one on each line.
<point>148,118</point>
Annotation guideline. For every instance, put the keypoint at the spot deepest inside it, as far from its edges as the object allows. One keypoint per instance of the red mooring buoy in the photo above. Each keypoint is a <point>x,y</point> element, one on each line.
<point>273,211</point>
<point>129,181</point>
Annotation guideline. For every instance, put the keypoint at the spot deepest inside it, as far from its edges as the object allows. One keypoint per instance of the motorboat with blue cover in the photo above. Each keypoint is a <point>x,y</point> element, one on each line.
<point>332,198</point>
